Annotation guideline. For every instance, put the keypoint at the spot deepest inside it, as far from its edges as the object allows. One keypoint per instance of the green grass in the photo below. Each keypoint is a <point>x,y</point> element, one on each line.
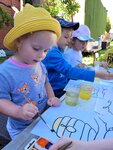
<point>89,59</point>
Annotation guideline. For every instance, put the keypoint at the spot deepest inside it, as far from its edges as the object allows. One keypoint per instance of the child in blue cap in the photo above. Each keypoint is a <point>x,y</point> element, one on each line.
<point>59,70</point>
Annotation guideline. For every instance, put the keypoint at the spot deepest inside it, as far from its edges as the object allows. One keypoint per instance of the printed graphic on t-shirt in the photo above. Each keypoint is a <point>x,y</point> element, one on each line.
<point>35,77</point>
<point>24,89</point>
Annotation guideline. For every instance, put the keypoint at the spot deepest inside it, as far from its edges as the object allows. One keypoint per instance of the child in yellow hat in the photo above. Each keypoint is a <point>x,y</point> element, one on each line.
<point>24,86</point>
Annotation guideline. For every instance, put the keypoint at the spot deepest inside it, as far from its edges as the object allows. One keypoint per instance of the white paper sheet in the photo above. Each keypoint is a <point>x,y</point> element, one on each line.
<point>70,122</point>
<point>89,120</point>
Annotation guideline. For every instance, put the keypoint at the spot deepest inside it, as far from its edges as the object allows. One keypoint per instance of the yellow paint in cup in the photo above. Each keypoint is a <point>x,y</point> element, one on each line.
<point>85,91</point>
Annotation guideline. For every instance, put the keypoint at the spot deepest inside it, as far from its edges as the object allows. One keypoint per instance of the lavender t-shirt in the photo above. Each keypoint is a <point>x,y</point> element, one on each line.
<point>18,81</point>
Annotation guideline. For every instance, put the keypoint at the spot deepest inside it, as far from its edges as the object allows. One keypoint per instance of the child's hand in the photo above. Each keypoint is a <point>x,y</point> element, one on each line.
<point>104,64</point>
<point>54,101</point>
<point>76,145</point>
<point>28,111</point>
<point>81,65</point>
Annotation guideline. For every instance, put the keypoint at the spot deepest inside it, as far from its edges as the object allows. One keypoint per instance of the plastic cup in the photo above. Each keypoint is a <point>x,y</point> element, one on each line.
<point>72,95</point>
<point>85,91</point>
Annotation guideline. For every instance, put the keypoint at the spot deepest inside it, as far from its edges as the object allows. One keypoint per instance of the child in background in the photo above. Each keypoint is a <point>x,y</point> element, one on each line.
<point>59,70</point>
<point>24,86</point>
<point>107,60</point>
<point>80,38</point>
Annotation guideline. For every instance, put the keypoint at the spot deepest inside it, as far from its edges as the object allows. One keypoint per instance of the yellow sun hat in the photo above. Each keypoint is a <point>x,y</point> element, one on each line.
<point>28,20</point>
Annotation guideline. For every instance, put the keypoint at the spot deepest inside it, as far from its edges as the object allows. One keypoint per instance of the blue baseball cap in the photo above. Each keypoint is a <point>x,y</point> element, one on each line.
<point>67,24</point>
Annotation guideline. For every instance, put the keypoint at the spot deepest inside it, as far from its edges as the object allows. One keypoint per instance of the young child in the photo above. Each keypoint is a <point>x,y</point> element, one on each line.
<point>80,38</point>
<point>24,86</point>
<point>59,70</point>
<point>107,60</point>
<point>84,145</point>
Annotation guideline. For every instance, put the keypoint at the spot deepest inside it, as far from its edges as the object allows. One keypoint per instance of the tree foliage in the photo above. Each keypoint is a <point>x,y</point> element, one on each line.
<point>5,18</point>
<point>108,25</point>
<point>53,6</point>
<point>64,8</point>
<point>70,7</point>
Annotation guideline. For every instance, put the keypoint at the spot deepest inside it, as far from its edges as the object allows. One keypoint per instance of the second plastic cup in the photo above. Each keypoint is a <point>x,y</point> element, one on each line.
<point>85,91</point>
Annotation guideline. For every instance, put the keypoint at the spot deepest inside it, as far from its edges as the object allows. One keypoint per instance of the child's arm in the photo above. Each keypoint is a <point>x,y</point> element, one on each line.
<point>104,75</point>
<point>49,90</point>
<point>52,100</point>
<point>25,112</point>
<point>104,144</point>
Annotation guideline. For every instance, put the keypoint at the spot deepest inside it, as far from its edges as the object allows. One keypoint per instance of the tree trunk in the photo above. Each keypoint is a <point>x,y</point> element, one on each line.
<point>72,18</point>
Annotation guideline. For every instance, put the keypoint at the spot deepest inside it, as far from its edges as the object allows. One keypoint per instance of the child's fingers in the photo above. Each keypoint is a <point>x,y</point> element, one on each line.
<point>30,115</point>
<point>29,111</point>
<point>30,107</point>
<point>57,103</point>
<point>49,102</point>
<point>33,110</point>
<point>54,102</point>
<point>81,65</point>
<point>104,64</point>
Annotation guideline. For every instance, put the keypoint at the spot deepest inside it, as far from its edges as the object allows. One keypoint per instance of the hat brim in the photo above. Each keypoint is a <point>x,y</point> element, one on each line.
<point>72,25</point>
<point>85,38</point>
<point>27,27</point>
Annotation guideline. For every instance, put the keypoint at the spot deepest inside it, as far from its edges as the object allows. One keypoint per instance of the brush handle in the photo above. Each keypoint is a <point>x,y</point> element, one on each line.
<point>65,146</point>
<point>42,118</point>
<point>44,122</point>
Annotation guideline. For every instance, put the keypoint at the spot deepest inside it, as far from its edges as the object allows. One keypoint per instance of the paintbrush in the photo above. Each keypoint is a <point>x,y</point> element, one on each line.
<point>27,100</point>
<point>79,61</point>
<point>38,115</point>
<point>65,146</point>
<point>52,130</point>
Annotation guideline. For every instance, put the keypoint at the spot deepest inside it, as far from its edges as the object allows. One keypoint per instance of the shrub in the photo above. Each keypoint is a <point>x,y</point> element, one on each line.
<point>5,18</point>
